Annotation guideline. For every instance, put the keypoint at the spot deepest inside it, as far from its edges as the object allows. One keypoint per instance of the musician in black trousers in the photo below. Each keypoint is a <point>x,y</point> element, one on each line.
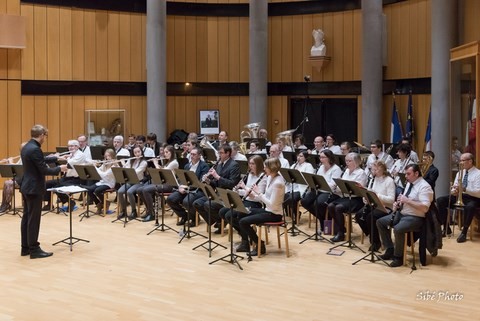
<point>225,175</point>
<point>179,201</point>
<point>33,189</point>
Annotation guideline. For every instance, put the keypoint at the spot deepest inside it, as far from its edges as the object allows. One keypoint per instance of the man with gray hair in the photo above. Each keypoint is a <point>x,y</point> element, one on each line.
<point>118,146</point>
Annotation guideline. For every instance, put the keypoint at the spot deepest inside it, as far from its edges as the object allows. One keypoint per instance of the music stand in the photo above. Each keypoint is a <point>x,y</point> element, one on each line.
<point>210,155</point>
<point>243,166</point>
<point>87,173</point>
<point>293,176</point>
<point>232,200</point>
<point>317,183</point>
<point>349,188</point>
<point>290,156</point>
<point>375,203</point>
<point>189,179</point>
<point>69,191</point>
<point>13,171</point>
<point>162,177</point>
<point>97,152</point>
<point>262,155</point>
<point>314,160</point>
<point>212,197</point>
<point>125,176</point>
<point>340,160</point>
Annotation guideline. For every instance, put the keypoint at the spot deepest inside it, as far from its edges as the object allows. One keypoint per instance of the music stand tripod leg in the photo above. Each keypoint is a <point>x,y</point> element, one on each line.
<point>316,236</point>
<point>232,257</point>
<point>350,244</point>
<point>162,227</point>
<point>188,233</point>
<point>209,239</point>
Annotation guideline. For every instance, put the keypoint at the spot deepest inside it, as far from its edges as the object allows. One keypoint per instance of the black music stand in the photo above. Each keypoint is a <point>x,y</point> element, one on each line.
<point>162,177</point>
<point>262,155</point>
<point>97,152</point>
<point>210,155</point>
<point>349,188</point>
<point>290,156</point>
<point>189,179</point>
<point>243,166</point>
<point>317,183</point>
<point>69,191</point>
<point>375,203</point>
<point>233,200</point>
<point>87,173</point>
<point>340,160</point>
<point>13,171</point>
<point>293,176</point>
<point>314,160</point>
<point>212,197</point>
<point>125,176</point>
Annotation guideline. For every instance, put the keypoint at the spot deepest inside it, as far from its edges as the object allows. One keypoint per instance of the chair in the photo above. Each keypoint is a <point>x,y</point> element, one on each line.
<point>277,225</point>
<point>106,195</point>
<point>457,215</point>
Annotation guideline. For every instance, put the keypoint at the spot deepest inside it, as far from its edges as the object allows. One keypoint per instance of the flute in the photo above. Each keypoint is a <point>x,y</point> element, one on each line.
<point>111,161</point>
<point>251,189</point>
<point>9,159</point>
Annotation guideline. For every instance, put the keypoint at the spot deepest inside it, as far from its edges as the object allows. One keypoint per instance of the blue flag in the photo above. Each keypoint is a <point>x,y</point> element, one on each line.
<point>410,130</point>
<point>428,133</point>
<point>396,131</point>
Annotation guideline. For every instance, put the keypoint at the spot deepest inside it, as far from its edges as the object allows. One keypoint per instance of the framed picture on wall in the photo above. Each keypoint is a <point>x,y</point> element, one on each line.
<point>209,122</point>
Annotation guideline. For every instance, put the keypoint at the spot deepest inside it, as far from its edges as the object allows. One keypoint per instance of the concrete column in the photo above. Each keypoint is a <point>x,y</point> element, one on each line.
<point>157,68</point>
<point>372,26</point>
<point>443,39</point>
<point>258,54</point>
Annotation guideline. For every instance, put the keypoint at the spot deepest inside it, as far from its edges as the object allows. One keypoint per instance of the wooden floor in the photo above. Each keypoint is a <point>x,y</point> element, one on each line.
<point>123,274</point>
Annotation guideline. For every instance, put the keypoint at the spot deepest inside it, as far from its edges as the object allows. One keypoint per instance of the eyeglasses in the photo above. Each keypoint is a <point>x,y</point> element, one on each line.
<point>464,160</point>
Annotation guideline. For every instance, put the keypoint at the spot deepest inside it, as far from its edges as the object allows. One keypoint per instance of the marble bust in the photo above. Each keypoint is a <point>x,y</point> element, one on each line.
<point>318,48</point>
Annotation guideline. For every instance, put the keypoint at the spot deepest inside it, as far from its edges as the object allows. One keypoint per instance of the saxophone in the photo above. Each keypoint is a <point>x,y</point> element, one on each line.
<point>459,202</point>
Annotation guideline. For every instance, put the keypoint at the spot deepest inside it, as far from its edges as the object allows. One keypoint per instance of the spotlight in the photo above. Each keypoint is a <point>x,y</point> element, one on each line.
<point>306,78</point>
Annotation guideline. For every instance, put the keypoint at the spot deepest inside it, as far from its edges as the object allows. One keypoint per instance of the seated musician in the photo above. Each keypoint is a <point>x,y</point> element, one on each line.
<point>345,148</point>
<point>75,157</point>
<point>180,201</point>
<point>273,200</point>
<point>408,214</point>
<point>147,191</point>
<point>399,166</point>
<point>329,170</point>
<point>142,143</point>
<point>254,148</point>
<point>431,173</point>
<point>236,155</point>
<point>384,186</point>
<point>353,172</point>
<point>299,142</point>
<point>469,180</point>
<point>413,154</point>
<point>222,140</point>
<point>376,155</point>
<point>118,147</point>
<point>282,145</point>
<point>275,152</point>
<point>140,165</point>
<point>226,174</point>
<point>97,190</point>
<point>319,144</point>
<point>255,176</point>
<point>10,184</point>
<point>331,144</point>
<point>298,189</point>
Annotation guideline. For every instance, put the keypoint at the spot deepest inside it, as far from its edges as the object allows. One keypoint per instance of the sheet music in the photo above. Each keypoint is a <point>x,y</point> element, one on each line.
<point>68,189</point>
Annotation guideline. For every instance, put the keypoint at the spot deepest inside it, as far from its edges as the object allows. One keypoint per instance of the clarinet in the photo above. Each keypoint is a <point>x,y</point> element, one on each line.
<point>250,191</point>
<point>213,167</point>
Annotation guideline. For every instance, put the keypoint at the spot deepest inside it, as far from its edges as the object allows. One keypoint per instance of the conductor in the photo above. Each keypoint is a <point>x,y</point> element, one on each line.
<point>33,188</point>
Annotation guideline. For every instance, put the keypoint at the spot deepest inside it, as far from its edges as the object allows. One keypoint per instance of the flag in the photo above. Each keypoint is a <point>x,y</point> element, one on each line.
<point>396,131</point>
<point>428,133</point>
<point>470,139</point>
<point>410,130</point>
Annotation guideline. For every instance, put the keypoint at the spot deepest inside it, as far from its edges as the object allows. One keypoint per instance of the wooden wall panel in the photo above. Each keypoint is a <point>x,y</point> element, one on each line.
<point>13,56</point>
<point>79,44</point>
<point>66,54</point>
<point>190,49</point>
<point>3,52</point>
<point>212,45</point>
<point>3,120</point>
<point>113,51</point>
<point>223,49</point>
<point>339,45</point>
<point>180,49</point>
<point>234,49</point>
<point>298,52</point>
<point>125,47</point>
<point>90,45</point>
<point>286,48</point>
<point>53,43</point>
<point>136,49</point>
<point>40,42</point>
<point>243,51</point>
<point>101,44</point>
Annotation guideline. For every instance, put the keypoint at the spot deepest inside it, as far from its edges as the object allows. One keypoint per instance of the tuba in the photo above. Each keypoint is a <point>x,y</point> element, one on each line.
<point>287,134</point>
<point>251,131</point>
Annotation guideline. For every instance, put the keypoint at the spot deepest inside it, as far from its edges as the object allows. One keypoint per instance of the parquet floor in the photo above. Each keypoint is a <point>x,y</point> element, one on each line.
<point>123,274</point>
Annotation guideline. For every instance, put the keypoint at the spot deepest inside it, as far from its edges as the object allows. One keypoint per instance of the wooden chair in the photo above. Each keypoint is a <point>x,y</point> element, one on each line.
<point>106,201</point>
<point>277,226</point>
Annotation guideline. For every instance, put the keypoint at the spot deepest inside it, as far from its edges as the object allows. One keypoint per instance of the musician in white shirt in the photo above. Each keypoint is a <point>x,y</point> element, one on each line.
<point>329,170</point>
<point>298,189</point>
<point>345,204</point>
<point>399,166</point>
<point>384,186</point>
<point>331,145</point>
<point>376,155</point>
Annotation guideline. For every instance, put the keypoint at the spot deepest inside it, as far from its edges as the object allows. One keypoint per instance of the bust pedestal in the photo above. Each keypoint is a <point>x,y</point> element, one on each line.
<point>319,61</point>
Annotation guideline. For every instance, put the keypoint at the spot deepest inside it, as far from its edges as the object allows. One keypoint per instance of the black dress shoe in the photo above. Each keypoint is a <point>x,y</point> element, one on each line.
<point>25,251</point>
<point>192,223</point>
<point>216,225</point>
<point>148,218</point>
<point>181,222</point>
<point>133,215</point>
<point>338,238</point>
<point>39,254</point>
<point>243,247</point>
<point>462,238</point>
<point>374,247</point>
<point>397,261</point>
<point>388,255</point>
<point>47,207</point>
<point>218,231</point>
<point>263,250</point>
